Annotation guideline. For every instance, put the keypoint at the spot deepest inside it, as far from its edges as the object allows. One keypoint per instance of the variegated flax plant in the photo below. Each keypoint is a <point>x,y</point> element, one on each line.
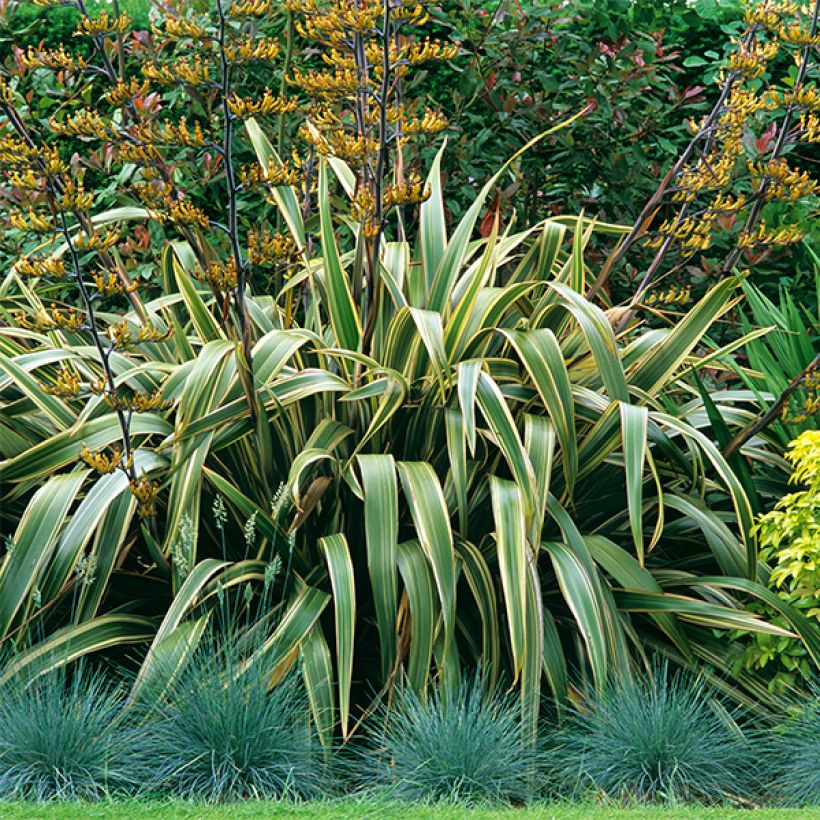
<point>456,460</point>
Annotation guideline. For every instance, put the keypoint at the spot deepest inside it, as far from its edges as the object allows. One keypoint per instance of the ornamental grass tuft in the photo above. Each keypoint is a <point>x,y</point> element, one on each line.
<point>218,732</point>
<point>655,739</point>
<point>459,744</point>
<point>64,735</point>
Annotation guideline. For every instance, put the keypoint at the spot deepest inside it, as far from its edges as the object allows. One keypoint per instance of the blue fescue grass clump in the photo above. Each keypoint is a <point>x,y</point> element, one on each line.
<point>791,752</point>
<point>64,735</point>
<point>654,739</point>
<point>219,732</point>
<point>459,743</point>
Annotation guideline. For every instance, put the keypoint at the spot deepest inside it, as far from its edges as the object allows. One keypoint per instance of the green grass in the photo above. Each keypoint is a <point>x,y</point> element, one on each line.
<point>375,808</point>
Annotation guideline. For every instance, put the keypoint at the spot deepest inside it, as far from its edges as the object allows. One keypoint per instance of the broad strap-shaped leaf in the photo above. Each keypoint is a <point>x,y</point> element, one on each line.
<point>457,454</point>
<point>102,494</point>
<point>804,627</point>
<point>511,544</point>
<point>468,374</point>
<point>206,327</point>
<point>697,611</point>
<point>317,672</point>
<point>634,432</point>
<point>34,540</point>
<point>274,350</point>
<point>500,421</point>
<point>52,406</point>
<point>381,531</point>
<point>52,454</point>
<point>340,567</point>
<point>542,357</point>
<point>432,229</point>
<point>110,536</point>
<point>431,333</point>
<point>454,340</point>
<point>740,501</point>
<point>728,551</point>
<point>453,258</point>
<point>600,338</point>
<point>419,586</point>
<point>62,647</point>
<point>428,508</point>
<point>299,618</point>
<point>391,392</point>
<point>344,317</point>
<point>539,442</point>
<point>206,385</point>
<point>554,660</point>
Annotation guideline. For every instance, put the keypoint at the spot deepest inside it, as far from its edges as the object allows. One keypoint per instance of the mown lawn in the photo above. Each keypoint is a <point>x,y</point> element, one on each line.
<point>355,809</point>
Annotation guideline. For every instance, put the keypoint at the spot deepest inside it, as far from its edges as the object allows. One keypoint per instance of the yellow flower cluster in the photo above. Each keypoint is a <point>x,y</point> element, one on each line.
<point>56,59</point>
<point>175,134</point>
<point>85,124</point>
<point>122,92</point>
<point>220,275</point>
<point>268,104</point>
<point>145,491</point>
<point>272,175</point>
<point>98,241</point>
<point>250,8</point>
<point>428,50</point>
<point>252,49</point>
<point>796,35</point>
<point>30,222</point>
<point>693,234</point>
<point>769,14</point>
<point>181,213</point>
<point>733,172</point>
<point>66,383</point>
<point>266,248</point>
<point>143,402</point>
<point>178,28</point>
<point>101,462</point>
<point>15,153</point>
<point>810,126</point>
<point>122,336</point>
<point>326,84</point>
<point>53,318</point>
<point>762,235</point>
<point>411,191</point>
<point>785,183</point>
<point>753,62</point>
<point>103,25</point>
<point>74,197</point>
<point>110,284</point>
<point>673,295</point>
<point>194,71</point>
<point>53,266</point>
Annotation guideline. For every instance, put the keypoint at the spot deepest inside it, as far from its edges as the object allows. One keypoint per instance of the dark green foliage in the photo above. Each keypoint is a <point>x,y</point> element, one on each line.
<point>792,754</point>
<point>664,738</point>
<point>54,27</point>
<point>459,743</point>
<point>217,733</point>
<point>63,736</point>
<point>525,65</point>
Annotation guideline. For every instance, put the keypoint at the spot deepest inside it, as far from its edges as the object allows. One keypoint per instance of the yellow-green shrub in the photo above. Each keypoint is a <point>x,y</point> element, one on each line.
<point>789,541</point>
